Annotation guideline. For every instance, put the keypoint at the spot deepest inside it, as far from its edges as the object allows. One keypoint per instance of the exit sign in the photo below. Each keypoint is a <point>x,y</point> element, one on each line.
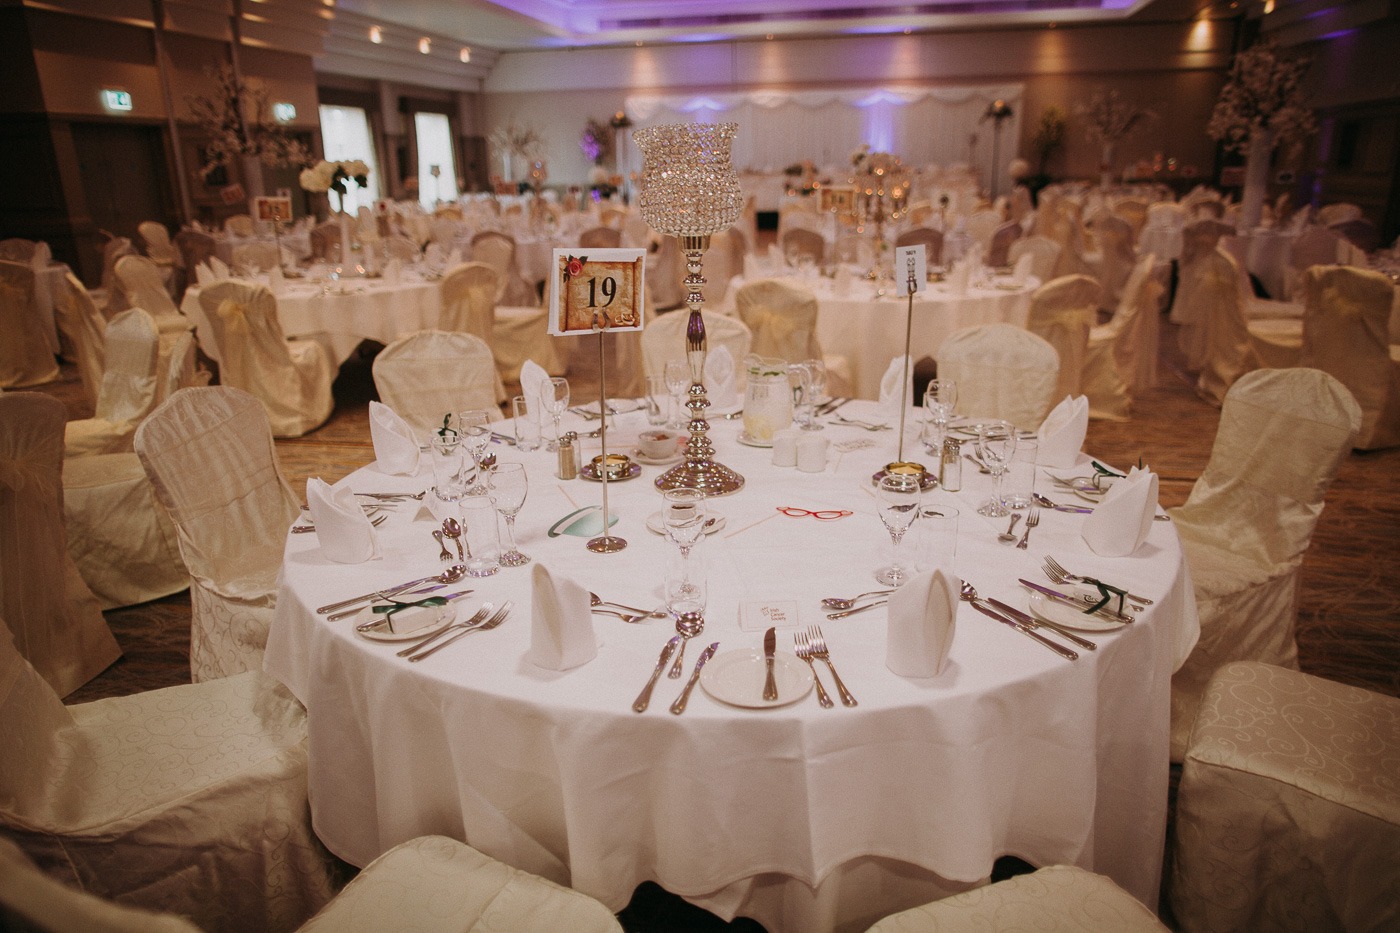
<point>113,99</point>
<point>283,112</point>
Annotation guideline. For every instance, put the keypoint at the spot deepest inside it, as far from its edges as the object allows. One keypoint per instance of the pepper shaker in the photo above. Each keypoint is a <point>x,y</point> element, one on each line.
<point>568,456</point>
<point>950,468</point>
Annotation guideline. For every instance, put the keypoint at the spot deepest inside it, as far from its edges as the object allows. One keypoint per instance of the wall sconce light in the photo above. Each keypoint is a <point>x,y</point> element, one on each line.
<point>376,35</point>
<point>425,45</point>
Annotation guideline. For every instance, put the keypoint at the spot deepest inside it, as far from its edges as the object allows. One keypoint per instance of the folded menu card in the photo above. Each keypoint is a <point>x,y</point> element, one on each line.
<point>1123,518</point>
<point>561,623</point>
<point>345,533</point>
<point>395,447</point>
<point>922,614</point>
<point>1062,433</point>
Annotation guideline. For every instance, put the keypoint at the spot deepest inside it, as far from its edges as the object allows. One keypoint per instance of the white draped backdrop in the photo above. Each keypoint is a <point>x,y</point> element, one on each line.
<point>924,126</point>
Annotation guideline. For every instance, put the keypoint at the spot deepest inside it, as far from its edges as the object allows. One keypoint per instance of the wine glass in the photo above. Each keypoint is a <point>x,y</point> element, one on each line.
<point>813,392</point>
<point>677,381</point>
<point>554,396</point>
<point>684,515</point>
<point>996,444</point>
<point>507,487</point>
<point>940,397</point>
<point>899,495</point>
<point>474,426</point>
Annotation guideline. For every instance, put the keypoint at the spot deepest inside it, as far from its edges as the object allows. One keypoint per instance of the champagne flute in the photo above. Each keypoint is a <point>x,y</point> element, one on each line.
<point>475,429</point>
<point>677,374</point>
<point>507,487</point>
<point>996,443</point>
<point>554,395</point>
<point>899,495</point>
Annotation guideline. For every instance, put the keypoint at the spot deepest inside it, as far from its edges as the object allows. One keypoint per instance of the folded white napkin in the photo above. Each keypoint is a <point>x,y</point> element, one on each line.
<point>345,533</point>
<point>1022,269</point>
<point>1062,433</point>
<point>532,379</point>
<point>561,624</point>
<point>219,268</point>
<point>1123,519</point>
<point>395,446</point>
<point>393,271</point>
<point>890,393</point>
<point>922,614</point>
<point>719,378</point>
<point>203,275</point>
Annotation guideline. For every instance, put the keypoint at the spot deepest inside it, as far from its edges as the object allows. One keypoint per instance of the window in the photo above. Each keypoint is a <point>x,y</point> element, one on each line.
<point>435,153</point>
<point>346,136</point>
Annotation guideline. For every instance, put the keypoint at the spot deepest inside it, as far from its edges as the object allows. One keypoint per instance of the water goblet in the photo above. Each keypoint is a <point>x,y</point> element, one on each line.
<point>813,392</point>
<point>507,487</point>
<point>554,396</point>
<point>475,429</point>
<point>677,375</point>
<point>899,495</point>
<point>996,444</point>
<point>683,515</point>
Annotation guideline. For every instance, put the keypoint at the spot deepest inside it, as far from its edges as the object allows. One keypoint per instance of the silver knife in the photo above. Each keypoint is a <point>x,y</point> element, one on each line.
<point>991,613</point>
<point>416,591</point>
<point>644,698</point>
<point>1110,614</point>
<point>678,707</point>
<point>382,620</point>
<point>1033,622</point>
<point>770,648</point>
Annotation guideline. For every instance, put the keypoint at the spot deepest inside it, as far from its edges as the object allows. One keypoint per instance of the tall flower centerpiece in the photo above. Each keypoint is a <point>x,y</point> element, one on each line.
<point>327,176</point>
<point>515,142</point>
<point>1260,107</point>
<point>237,120</point>
<point>689,190</point>
<point>1109,118</point>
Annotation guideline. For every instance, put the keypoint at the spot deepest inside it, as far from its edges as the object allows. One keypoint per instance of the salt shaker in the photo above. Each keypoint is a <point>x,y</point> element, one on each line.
<point>568,456</point>
<point>950,468</point>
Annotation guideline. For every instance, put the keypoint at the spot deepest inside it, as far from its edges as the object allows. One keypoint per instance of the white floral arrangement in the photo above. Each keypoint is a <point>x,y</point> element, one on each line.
<point>859,154</point>
<point>1109,116</point>
<point>1263,92</point>
<point>236,120</point>
<point>327,175</point>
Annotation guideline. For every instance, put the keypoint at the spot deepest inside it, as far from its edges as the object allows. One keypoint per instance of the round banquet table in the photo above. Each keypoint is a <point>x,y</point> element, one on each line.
<point>801,817</point>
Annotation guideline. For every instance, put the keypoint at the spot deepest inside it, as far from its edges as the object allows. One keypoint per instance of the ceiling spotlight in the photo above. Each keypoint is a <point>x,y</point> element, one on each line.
<point>769,37</point>
<point>465,55</point>
<point>425,45</point>
<point>376,35</point>
<point>638,43</point>
<point>908,31</point>
<point>1268,7</point>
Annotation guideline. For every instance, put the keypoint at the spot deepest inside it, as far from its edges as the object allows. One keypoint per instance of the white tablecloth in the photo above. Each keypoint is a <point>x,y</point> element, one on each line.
<point>804,818</point>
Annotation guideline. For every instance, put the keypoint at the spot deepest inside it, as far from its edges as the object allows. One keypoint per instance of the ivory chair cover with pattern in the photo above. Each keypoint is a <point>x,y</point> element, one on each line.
<point>663,340</point>
<point>1121,357</point>
<point>141,282</point>
<point>600,238</point>
<point>1288,814</point>
<point>1345,334</point>
<point>1002,371</point>
<point>782,318</point>
<point>190,799</point>
<point>292,378</point>
<point>257,256</point>
<point>157,240</point>
<point>1055,899</point>
<point>1046,253</point>
<point>79,317</point>
<point>113,295</point>
<point>50,610</point>
<point>1064,311</point>
<point>208,452</point>
<point>1214,337</point>
<point>240,225</point>
<point>424,376</point>
<point>128,391</point>
<point>798,243</point>
<point>26,358</point>
<point>927,237</point>
<point>1134,211</point>
<point>498,251</point>
<point>1250,517</point>
<point>469,306</point>
<point>999,253</point>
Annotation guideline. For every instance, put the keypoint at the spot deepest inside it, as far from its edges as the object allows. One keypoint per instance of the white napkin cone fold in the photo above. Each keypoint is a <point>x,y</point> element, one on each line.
<point>1062,433</point>
<point>1022,270</point>
<point>561,623</point>
<point>203,275</point>
<point>889,388</point>
<point>395,446</point>
<point>719,378</point>
<point>1123,518</point>
<point>219,268</point>
<point>345,533</point>
<point>532,378</point>
<point>922,615</point>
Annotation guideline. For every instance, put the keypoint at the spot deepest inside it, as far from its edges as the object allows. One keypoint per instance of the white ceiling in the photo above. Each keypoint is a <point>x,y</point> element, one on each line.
<point>538,24</point>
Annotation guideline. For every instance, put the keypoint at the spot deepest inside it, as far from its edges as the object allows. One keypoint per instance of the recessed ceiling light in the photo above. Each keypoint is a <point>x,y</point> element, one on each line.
<point>425,45</point>
<point>638,43</point>
<point>465,55</point>
<point>769,36</point>
<point>907,30</point>
<point>376,35</point>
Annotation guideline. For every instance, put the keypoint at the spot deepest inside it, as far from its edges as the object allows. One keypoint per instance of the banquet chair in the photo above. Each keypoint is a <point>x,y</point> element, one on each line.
<point>469,306</point>
<point>1054,899</point>
<point>927,237</point>
<point>1063,311</point>
<point>17,249</point>
<point>77,315</point>
<point>325,242</point>
<point>402,248</point>
<point>425,375</point>
<point>1346,319</point>
<point>982,225</point>
<point>612,217</point>
<point>1116,257</point>
<point>157,240</point>
<point>1329,214</point>
<point>1002,371</point>
<point>208,452</point>
<point>1257,308</point>
<point>1121,356</point>
<point>25,355</point>
<point>1214,336</point>
<point>722,262</point>
<point>1288,812</point>
<point>497,250</point>
<point>1045,250</point>
<point>128,390</point>
<point>636,232</point>
<point>999,253</point>
<point>665,274</point>
<point>854,249</point>
<point>1134,212</point>
<point>1314,246</point>
<point>444,229</point>
<point>113,299</point>
<point>798,242</point>
<point>55,619</point>
<point>292,378</point>
<point>1020,206</point>
<point>782,318</point>
<point>1166,214</point>
<point>1359,232</point>
<point>193,248</point>
<point>182,369</point>
<point>663,340</point>
<point>240,225</point>
<point>256,257</point>
<point>600,238</point>
<point>1249,519</point>
<point>189,799</point>
<point>141,282</point>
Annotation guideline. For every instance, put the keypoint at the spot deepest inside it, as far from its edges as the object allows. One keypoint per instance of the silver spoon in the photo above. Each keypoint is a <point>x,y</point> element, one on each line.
<point>444,554</point>
<point>595,600</point>
<point>1010,533</point>
<point>688,625</point>
<point>453,529</point>
<point>836,602</point>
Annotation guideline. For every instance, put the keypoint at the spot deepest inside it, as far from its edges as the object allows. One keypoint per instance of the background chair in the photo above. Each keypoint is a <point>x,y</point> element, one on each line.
<point>1288,813</point>
<point>1121,355</point>
<point>1116,257</point>
<point>723,261</point>
<point>927,237</point>
<point>999,252</point>
<point>1359,232</point>
<point>113,297</point>
<point>144,288</point>
<point>78,316</point>
<point>981,225</point>
<point>292,378</point>
<point>783,320</point>
<point>663,340</point>
<point>157,240</point>
<point>1045,250</point>
<point>402,248</point>
<point>1002,371</point>
<point>17,249</point>
<point>190,799</point>
<point>424,376</point>
<point>1249,520</point>
<point>240,225</point>
<point>209,455</point>
<point>497,250</point>
<point>469,306</point>
<point>1063,311</point>
<point>1214,336</point>
<point>128,391</point>
<point>256,256</point>
<point>325,241</point>
<point>799,243</point>
<point>600,238</point>
<point>25,355</point>
<point>195,247</point>
<point>1338,212</point>
<point>665,271</point>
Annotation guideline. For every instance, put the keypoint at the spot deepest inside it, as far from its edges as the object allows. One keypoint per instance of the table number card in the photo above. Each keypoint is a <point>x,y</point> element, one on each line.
<point>278,209</point>
<point>910,265</point>
<point>596,289</point>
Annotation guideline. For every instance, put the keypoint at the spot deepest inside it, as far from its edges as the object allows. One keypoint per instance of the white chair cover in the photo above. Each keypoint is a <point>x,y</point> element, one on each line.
<point>782,318</point>
<point>1063,311</point>
<point>982,225</point>
<point>113,295</point>
<point>665,272</point>
<point>424,376</point>
<point>1329,214</point>
<point>1002,371</point>
<point>1055,899</point>
<point>25,355</point>
<point>1045,250</point>
<point>722,261</point>
<point>209,455</point>
<point>1314,246</point>
<point>1134,212</point>
<point>497,250</point>
<point>157,239</point>
<point>292,378</point>
<point>1166,215</point>
<point>190,799</point>
<point>1121,357</point>
<point>469,300</point>
<point>325,241</point>
<point>128,391</point>
<point>999,252</point>
<point>600,238</point>
<point>1345,334</point>
<point>257,256</point>
<point>240,225</point>
<point>141,281</point>
<point>181,369</point>
<point>799,243</point>
<point>1250,517</point>
<point>663,340</point>
<point>636,232</point>
<point>55,619</point>
<point>78,317</point>
<point>929,238</point>
<point>1288,814</point>
<point>1116,256</point>
<point>1214,335</point>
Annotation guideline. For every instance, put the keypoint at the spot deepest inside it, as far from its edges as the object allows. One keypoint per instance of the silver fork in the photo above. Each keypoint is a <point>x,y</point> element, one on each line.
<point>862,424</point>
<point>471,622</point>
<point>818,645</point>
<point>1057,573</point>
<point>486,626</point>
<point>1032,519</point>
<point>803,649</point>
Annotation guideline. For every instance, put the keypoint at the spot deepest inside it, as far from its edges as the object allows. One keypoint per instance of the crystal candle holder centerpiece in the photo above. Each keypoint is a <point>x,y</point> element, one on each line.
<point>689,191</point>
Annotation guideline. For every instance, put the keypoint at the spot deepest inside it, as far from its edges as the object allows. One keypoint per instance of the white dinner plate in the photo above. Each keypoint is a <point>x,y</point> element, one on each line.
<point>657,525</point>
<point>446,614</point>
<point>751,442</point>
<point>1057,612</point>
<point>637,455</point>
<point>737,678</point>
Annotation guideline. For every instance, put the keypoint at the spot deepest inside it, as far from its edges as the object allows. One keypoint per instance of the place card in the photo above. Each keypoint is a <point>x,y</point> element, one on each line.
<point>759,615</point>
<point>910,269</point>
<point>595,290</point>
